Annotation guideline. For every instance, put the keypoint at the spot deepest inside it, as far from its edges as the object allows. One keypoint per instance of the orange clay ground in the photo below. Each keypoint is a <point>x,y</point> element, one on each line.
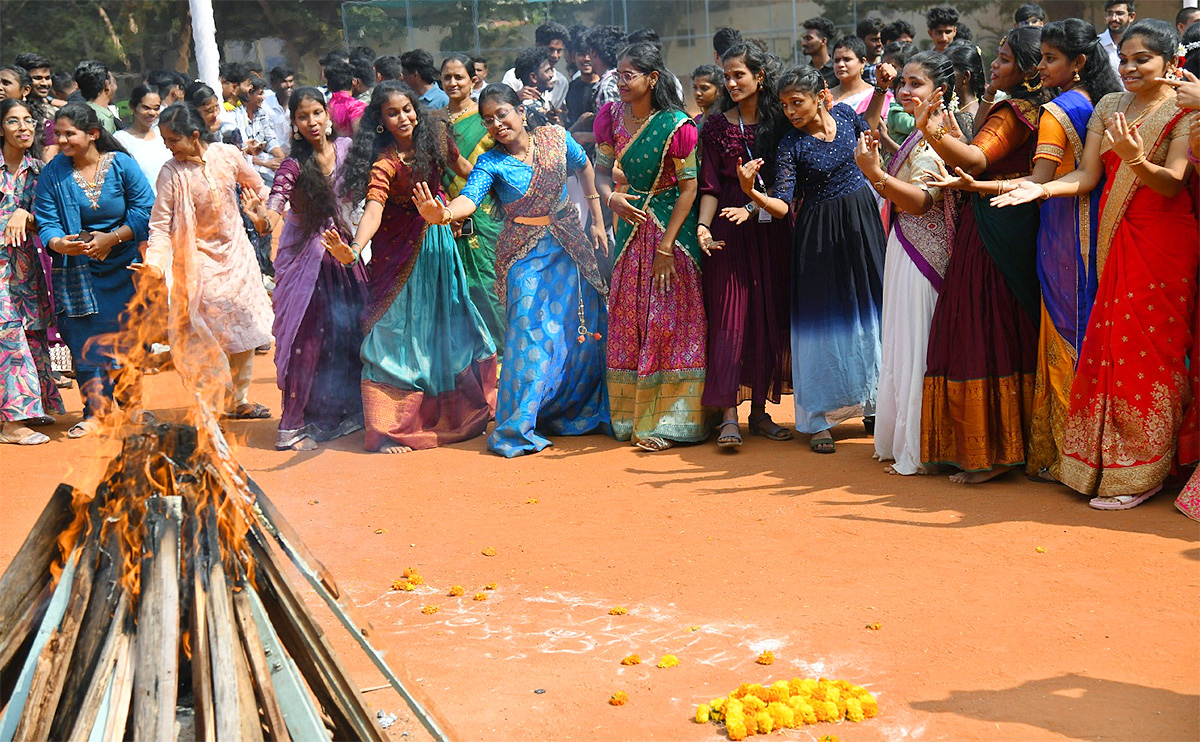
<point>717,557</point>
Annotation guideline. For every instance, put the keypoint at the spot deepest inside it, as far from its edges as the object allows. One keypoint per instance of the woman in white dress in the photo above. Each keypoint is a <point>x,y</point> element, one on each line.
<point>142,140</point>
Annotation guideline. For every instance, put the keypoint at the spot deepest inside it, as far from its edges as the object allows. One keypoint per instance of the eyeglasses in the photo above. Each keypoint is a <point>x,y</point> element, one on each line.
<point>628,77</point>
<point>503,113</point>
<point>14,121</point>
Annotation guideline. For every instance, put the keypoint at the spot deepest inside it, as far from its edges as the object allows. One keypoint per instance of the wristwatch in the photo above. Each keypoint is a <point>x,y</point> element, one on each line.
<point>751,208</point>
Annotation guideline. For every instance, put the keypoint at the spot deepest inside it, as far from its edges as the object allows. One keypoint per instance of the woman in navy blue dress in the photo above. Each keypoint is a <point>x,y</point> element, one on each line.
<point>837,255</point>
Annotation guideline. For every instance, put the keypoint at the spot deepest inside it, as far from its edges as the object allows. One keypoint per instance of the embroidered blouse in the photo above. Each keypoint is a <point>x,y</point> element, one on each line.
<point>816,170</point>
<point>509,177</point>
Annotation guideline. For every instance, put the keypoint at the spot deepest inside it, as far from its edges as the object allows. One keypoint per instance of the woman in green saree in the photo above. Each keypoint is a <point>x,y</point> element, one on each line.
<point>477,235</point>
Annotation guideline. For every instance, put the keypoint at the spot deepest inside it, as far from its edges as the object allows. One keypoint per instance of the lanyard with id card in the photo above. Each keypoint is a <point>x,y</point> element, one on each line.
<point>764,216</point>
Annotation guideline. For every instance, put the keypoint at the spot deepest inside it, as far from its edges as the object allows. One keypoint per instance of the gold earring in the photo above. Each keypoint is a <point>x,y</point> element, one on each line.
<point>1032,88</point>
<point>1076,76</point>
<point>379,129</point>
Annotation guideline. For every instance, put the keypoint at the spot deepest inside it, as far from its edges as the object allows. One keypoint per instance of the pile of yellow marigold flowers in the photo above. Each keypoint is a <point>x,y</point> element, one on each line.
<point>756,709</point>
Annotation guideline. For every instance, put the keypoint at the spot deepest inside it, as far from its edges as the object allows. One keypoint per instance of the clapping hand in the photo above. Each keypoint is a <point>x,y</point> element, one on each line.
<point>941,178</point>
<point>1124,139</point>
<point>866,155</point>
<point>336,245</point>
<point>1023,192</point>
<point>885,75</point>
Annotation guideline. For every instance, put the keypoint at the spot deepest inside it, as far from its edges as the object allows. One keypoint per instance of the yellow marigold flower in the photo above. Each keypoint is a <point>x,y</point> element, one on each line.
<point>753,704</point>
<point>741,692</point>
<point>828,738</point>
<point>702,713</point>
<point>408,587</point>
<point>408,572</point>
<point>831,711</point>
<point>808,686</point>
<point>431,609</point>
<point>833,693</point>
<point>480,596</point>
<point>531,501</point>
<point>490,586</point>
<point>619,698</point>
<point>1041,549</point>
<point>734,707</point>
<point>456,590</point>
<point>735,728</point>
<point>874,626</point>
<point>781,714</point>
<point>617,611</point>
<point>760,692</point>
<point>854,710</point>
<point>489,551</point>
<point>807,713</point>
<point>668,660</point>
<point>764,722</point>
<point>397,584</point>
<point>855,690</point>
<point>416,579</point>
<point>766,658</point>
<point>632,659</point>
<point>779,691</point>
<point>869,705</point>
<point>751,721</point>
<point>718,704</point>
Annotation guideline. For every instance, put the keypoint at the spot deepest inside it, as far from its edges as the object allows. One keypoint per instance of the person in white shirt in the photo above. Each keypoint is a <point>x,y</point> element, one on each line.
<point>552,36</point>
<point>141,139</point>
<point>1118,14</point>
<point>275,100</point>
<point>258,131</point>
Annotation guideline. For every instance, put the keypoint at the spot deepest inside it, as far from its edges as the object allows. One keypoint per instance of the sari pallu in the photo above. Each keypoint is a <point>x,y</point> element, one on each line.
<point>478,251</point>
<point>980,367</point>
<point>1066,265</point>
<point>429,366</point>
<point>657,358</point>
<point>1131,395</point>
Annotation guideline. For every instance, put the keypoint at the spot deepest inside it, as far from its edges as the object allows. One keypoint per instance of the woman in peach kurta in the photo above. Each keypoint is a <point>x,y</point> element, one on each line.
<point>219,310</point>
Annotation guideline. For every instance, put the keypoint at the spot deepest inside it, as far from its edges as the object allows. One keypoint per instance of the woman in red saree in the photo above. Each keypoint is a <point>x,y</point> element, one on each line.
<point>1131,395</point>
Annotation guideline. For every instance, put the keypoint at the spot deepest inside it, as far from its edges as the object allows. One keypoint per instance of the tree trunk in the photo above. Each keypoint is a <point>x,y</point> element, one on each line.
<point>183,45</point>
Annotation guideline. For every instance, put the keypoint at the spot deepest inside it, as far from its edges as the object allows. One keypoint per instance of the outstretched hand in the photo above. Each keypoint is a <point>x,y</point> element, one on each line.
<point>1023,192</point>
<point>334,243</point>
<point>429,205</point>
<point>941,178</point>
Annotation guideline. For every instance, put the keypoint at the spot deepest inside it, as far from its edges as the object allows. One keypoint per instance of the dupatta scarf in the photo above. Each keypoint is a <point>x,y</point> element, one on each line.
<point>926,238</point>
<point>643,161</point>
<point>1067,240</point>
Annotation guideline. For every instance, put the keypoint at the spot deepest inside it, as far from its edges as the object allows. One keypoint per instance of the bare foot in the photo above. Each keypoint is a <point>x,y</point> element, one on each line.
<point>920,472</point>
<point>304,444</point>
<point>978,477</point>
<point>394,448</point>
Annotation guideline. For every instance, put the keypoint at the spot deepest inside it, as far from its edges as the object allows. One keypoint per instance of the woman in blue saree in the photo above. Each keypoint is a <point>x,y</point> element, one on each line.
<point>552,381</point>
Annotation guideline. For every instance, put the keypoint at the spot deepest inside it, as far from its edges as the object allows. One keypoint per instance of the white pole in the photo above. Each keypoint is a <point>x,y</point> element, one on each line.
<point>204,37</point>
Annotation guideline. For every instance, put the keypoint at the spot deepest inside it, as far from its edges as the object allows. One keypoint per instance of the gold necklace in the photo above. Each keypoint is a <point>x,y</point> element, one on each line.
<point>1145,112</point>
<point>639,121</point>
<point>454,117</point>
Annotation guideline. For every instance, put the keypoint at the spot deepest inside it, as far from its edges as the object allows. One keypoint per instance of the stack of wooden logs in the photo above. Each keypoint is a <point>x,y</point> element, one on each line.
<point>160,598</point>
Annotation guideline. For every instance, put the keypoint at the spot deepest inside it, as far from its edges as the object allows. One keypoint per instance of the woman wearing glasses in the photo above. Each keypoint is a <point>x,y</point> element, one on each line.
<point>657,360</point>
<point>552,380</point>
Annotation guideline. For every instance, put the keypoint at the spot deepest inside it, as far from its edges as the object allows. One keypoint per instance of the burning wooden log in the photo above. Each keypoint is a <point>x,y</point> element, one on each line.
<point>163,589</point>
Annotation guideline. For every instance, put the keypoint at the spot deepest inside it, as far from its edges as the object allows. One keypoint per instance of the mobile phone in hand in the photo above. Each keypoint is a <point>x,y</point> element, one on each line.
<point>84,236</point>
<point>468,227</point>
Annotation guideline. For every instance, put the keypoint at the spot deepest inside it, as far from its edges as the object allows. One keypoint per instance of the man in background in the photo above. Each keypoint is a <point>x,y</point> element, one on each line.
<point>535,72</point>
<point>553,37</point>
<point>869,30</point>
<point>388,67</point>
<point>901,31</point>
<point>723,40</point>
<point>97,87</point>
<point>362,61</point>
<point>1118,14</point>
<point>283,81</point>
<point>942,25</point>
<point>480,70</point>
<point>421,75</point>
<point>1183,19</point>
<point>1029,14</point>
<point>818,33</point>
<point>344,109</point>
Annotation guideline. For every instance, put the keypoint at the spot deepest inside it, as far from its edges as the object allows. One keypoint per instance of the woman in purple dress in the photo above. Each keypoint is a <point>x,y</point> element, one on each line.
<point>318,301</point>
<point>746,265</point>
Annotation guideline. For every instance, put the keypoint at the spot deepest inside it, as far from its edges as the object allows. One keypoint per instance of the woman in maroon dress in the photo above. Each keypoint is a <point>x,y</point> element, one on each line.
<point>746,252</point>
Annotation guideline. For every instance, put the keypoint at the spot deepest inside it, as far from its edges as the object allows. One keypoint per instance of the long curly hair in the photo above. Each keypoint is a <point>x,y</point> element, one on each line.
<point>313,200</point>
<point>429,142</point>
<point>772,124</point>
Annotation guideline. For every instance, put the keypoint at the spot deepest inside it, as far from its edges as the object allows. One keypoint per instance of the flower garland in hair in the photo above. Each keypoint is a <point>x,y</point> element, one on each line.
<point>954,102</point>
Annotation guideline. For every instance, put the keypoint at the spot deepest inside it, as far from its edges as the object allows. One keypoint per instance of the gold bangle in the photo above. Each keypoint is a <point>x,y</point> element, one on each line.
<point>593,196</point>
<point>667,254</point>
<point>881,183</point>
<point>1137,160</point>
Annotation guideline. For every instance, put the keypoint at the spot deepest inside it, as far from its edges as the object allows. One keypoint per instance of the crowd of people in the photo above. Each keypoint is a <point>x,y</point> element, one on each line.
<point>996,269</point>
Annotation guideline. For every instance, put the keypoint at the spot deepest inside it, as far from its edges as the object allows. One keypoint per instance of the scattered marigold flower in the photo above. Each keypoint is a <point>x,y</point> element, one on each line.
<point>416,579</point>
<point>480,596</point>
<point>693,628</point>
<point>632,659</point>
<point>870,706</point>
<point>703,713</point>
<point>753,704</point>
<point>489,551</point>
<point>456,590</point>
<point>617,611</point>
<point>398,584</point>
<point>828,738</point>
<point>531,501</point>
<point>1041,550</point>
<point>619,698</point>
<point>490,586</point>
<point>408,572</point>
<point>874,626</point>
<point>431,609</point>
<point>380,530</point>
<point>766,658</point>
<point>668,660</point>
<point>408,587</point>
